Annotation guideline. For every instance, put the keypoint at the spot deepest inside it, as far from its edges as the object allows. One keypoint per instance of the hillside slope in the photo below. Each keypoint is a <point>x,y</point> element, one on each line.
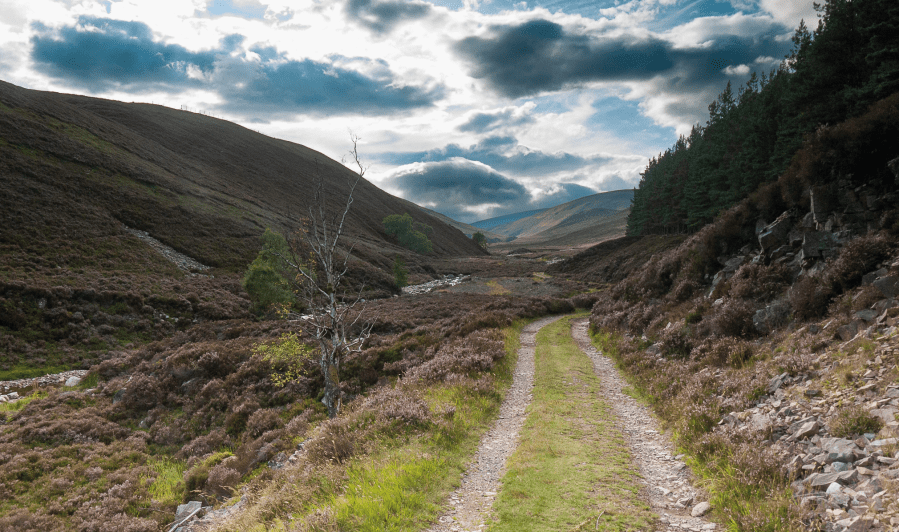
<point>76,173</point>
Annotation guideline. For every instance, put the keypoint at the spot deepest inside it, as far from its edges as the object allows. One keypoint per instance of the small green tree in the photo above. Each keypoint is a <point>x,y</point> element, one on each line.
<point>264,280</point>
<point>480,239</point>
<point>400,273</point>
<point>288,356</point>
<point>411,234</point>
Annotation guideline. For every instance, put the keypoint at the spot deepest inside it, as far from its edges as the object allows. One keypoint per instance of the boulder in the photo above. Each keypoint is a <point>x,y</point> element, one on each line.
<point>869,278</point>
<point>701,509</point>
<point>73,381</point>
<point>820,481</point>
<point>867,315</point>
<point>822,202</point>
<point>808,430</point>
<point>775,234</point>
<point>850,330</point>
<point>771,317</point>
<point>777,382</point>
<point>815,245</point>
<point>187,509</point>
<point>893,165</point>
<point>888,286</point>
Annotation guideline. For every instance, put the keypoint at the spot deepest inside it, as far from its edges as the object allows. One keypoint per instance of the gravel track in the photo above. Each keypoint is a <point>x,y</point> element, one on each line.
<point>473,500</point>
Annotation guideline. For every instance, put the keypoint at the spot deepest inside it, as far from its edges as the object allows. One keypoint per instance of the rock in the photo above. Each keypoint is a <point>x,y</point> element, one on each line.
<point>701,509</point>
<point>888,286</point>
<point>866,315</point>
<point>821,481</point>
<point>869,278</point>
<point>885,413</point>
<point>885,441</point>
<point>816,245</point>
<point>12,396</point>
<point>73,381</point>
<point>808,430</point>
<point>186,509</point>
<point>777,382</point>
<point>850,330</point>
<point>822,202</point>
<point>775,234</point>
<point>893,165</point>
<point>769,318</point>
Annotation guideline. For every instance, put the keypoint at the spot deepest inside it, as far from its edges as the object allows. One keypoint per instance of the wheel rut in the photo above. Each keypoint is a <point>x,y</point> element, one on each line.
<point>473,500</point>
<point>667,480</point>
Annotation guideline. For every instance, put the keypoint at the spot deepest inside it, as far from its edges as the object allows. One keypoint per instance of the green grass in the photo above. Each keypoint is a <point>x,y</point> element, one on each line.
<point>168,487</point>
<point>572,469</point>
<point>404,479</point>
<point>9,409</point>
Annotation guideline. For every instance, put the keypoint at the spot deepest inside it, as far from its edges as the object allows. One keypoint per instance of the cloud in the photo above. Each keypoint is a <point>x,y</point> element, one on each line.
<point>382,16</point>
<point>105,54</point>
<point>540,56</point>
<point>468,190</point>
<point>102,53</point>
<point>503,154</point>
<point>482,122</point>
<point>461,189</point>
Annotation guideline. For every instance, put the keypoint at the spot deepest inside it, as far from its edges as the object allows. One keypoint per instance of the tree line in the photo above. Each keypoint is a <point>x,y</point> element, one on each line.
<point>850,61</point>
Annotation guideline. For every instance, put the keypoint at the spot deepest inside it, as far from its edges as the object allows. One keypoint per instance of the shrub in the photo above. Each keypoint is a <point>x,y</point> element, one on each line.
<point>400,273</point>
<point>262,421</point>
<point>222,480</point>
<point>263,280</point>
<point>859,257</point>
<point>410,234</point>
<point>397,404</point>
<point>853,421</point>
<point>734,318</point>
<point>675,343</point>
<point>332,441</point>
<point>809,299</point>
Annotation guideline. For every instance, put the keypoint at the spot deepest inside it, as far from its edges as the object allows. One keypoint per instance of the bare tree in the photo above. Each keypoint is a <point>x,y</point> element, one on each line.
<point>320,267</point>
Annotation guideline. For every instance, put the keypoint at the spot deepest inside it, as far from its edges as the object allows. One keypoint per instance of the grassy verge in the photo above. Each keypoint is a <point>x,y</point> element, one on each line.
<point>572,469</point>
<point>403,478</point>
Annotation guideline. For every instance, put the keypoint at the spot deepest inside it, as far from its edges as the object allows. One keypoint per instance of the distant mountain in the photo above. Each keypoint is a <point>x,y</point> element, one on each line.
<point>572,216</point>
<point>491,223</point>
<point>467,229</point>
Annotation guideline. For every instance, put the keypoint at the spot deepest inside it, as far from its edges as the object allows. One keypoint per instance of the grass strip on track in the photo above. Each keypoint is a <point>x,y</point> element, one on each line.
<point>572,469</point>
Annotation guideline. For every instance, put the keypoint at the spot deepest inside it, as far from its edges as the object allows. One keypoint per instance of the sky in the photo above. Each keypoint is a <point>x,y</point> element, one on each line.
<point>473,108</point>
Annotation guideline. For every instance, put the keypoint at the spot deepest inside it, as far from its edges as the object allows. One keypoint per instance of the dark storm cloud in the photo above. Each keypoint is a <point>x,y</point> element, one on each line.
<point>492,151</point>
<point>105,54</point>
<point>468,191</point>
<point>450,186</point>
<point>483,122</point>
<point>383,16</point>
<point>539,56</point>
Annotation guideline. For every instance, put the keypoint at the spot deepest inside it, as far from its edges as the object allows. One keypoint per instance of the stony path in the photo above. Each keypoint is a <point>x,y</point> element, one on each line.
<point>180,260</point>
<point>474,498</point>
<point>666,478</point>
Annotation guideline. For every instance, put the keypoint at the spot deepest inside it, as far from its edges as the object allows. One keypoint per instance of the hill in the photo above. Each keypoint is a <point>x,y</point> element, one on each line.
<point>467,229</point>
<point>492,223</point>
<point>76,173</point>
<point>569,217</point>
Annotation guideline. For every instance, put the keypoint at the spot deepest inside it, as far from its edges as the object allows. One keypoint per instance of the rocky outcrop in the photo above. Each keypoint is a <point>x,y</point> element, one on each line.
<point>846,480</point>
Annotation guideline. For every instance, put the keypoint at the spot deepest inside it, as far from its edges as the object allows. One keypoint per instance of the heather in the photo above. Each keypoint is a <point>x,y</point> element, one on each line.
<point>197,414</point>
